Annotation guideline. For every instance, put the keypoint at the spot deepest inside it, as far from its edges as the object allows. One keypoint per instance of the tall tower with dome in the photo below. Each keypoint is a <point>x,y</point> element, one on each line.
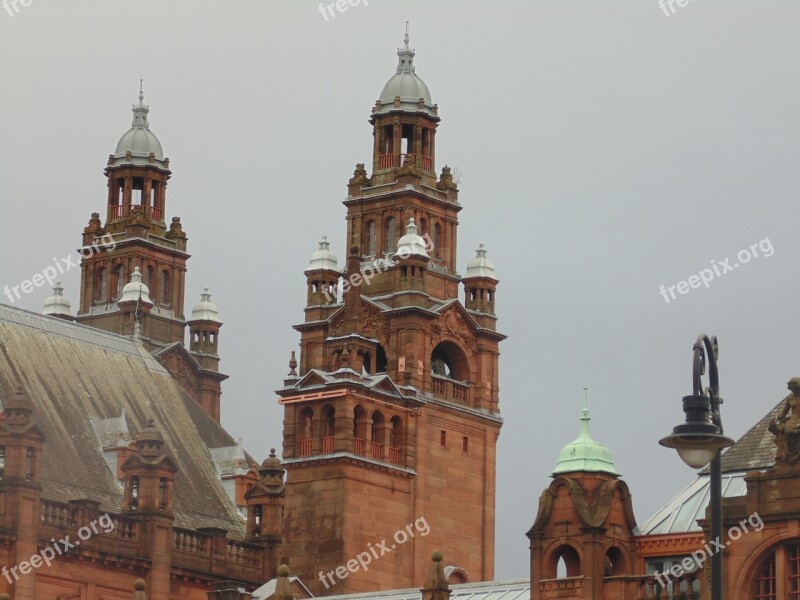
<point>133,268</point>
<point>391,414</point>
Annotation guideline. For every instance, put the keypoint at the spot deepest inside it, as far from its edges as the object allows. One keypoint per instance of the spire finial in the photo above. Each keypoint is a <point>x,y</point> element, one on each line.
<point>585,411</point>
<point>140,110</point>
<point>405,39</point>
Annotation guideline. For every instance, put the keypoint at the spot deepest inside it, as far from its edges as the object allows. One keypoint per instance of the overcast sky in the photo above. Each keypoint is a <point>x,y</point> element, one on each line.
<point>606,148</point>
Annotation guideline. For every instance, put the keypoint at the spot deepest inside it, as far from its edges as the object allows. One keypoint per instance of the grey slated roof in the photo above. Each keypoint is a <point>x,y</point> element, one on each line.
<point>755,449</point>
<point>511,589</point>
<point>75,375</point>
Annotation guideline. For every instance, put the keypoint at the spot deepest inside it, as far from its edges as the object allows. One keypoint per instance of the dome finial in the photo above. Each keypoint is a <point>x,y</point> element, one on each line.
<point>140,110</point>
<point>405,56</point>
<point>585,454</point>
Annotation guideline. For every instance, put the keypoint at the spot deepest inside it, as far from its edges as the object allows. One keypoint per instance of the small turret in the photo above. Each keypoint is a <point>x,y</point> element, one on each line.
<point>322,275</point>
<point>57,305</point>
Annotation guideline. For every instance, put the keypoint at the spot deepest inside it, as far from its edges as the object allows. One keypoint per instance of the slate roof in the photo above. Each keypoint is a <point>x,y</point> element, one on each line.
<point>755,449</point>
<point>74,375</point>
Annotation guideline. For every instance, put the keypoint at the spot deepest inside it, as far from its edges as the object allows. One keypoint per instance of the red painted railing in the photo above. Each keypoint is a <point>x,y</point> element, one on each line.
<point>375,450</point>
<point>304,448</point>
<point>426,163</point>
<point>359,446</point>
<point>386,161</point>
<point>118,211</point>
<point>394,456</point>
<point>327,444</point>
<point>156,213</point>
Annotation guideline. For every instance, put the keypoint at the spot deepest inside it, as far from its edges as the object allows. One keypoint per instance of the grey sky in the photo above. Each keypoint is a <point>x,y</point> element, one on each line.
<point>606,149</point>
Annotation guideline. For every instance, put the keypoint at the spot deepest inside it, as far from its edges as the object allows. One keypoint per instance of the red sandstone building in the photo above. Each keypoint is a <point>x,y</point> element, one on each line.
<point>110,428</point>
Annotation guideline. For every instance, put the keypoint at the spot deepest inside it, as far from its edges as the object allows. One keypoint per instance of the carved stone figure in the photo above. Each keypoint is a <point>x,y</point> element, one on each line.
<point>786,427</point>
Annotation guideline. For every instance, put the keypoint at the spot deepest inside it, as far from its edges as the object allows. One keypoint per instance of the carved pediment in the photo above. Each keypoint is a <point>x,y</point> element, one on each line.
<point>454,322</point>
<point>181,365</point>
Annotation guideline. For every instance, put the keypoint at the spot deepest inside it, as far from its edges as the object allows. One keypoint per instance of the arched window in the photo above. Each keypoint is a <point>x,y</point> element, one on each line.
<point>119,281</point>
<point>381,362</point>
<point>437,238</point>
<point>164,285</point>
<point>304,431</point>
<point>781,565</point>
<point>397,442</point>
<point>378,435</point>
<point>448,360</point>
<point>360,422</point>
<point>371,239</point>
<point>101,281</point>
<point>328,429</point>
<point>150,279</point>
<point>391,241</point>
<point>423,226</point>
<point>564,562</point>
<point>2,462</point>
<point>615,562</point>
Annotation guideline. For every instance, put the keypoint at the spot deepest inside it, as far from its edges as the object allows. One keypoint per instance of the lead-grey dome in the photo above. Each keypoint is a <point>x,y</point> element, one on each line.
<point>139,141</point>
<point>406,84</point>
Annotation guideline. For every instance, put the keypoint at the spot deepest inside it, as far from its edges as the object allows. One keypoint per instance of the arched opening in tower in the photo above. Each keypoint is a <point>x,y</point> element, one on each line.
<point>448,360</point>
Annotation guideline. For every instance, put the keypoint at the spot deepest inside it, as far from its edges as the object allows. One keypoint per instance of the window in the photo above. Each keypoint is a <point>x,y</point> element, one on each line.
<point>370,245</point>
<point>766,583</point>
<point>29,464</point>
<point>100,285</point>
<point>391,242</point>
<point>119,281</point>
<point>164,288</point>
<point>779,575</point>
<point>443,438</point>
<point>437,238</point>
<point>2,462</point>
<point>162,493</point>
<point>151,278</point>
<point>465,445</point>
<point>257,519</point>
<point>134,492</point>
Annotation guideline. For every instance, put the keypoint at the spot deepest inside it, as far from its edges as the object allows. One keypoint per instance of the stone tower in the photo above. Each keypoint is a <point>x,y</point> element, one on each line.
<point>135,234</point>
<point>391,419</point>
<point>584,529</point>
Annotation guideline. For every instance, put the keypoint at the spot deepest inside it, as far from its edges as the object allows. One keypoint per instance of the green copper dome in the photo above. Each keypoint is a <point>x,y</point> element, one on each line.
<point>585,454</point>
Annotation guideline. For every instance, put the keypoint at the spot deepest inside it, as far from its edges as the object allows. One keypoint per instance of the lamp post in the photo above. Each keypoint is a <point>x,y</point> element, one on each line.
<point>700,440</point>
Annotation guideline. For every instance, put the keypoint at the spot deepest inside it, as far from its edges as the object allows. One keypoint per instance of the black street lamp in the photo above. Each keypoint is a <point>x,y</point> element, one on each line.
<point>700,440</point>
